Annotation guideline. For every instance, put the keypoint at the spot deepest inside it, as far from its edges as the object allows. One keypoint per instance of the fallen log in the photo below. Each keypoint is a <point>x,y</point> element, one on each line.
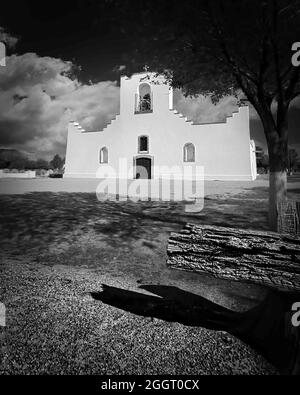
<point>265,258</point>
<point>260,257</point>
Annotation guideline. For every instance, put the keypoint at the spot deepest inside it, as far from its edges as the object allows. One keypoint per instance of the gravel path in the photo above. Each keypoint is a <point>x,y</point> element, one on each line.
<point>54,326</point>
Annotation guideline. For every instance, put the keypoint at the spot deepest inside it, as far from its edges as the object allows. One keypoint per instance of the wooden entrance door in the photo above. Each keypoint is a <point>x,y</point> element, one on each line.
<point>143,168</point>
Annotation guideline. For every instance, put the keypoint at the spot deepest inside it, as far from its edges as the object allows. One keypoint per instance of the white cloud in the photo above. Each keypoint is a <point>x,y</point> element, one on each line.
<point>38,94</point>
<point>202,110</point>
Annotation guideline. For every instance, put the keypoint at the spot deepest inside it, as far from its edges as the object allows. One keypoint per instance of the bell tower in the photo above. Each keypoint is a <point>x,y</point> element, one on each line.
<point>145,93</point>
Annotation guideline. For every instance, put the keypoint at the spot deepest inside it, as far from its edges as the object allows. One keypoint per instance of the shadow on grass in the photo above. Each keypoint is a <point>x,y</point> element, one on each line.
<point>35,220</point>
<point>263,328</point>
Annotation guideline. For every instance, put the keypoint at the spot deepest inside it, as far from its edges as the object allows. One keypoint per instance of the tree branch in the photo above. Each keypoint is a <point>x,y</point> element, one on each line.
<point>292,91</point>
<point>281,109</point>
<point>251,87</point>
<point>219,36</point>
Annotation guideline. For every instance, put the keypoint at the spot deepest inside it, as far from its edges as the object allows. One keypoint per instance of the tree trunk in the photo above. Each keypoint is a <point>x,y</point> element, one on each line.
<point>278,158</point>
<point>277,193</point>
<point>276,133</point>
<point>260,257</point>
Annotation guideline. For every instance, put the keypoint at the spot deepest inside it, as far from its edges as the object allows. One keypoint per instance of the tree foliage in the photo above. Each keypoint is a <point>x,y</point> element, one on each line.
<point>221,47</point>
<point>14,159</point>
<point>218,47</point>
<point>57,162</point>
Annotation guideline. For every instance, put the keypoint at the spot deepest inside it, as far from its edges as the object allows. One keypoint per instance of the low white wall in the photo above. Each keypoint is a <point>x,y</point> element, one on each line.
<point>25,174</point>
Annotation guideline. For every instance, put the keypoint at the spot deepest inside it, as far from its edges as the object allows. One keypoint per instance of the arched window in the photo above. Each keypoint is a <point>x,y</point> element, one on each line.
<point>144,98</point>
<point>189,152</point>
<point>143,144</point>
<point>103,157</point>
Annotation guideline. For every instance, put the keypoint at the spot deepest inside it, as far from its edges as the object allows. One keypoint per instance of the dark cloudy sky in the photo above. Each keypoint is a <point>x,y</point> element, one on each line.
<point>39,94</point>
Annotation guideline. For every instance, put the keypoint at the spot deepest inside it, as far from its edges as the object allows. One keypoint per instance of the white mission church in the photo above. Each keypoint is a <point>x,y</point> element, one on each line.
<point>152,139</point>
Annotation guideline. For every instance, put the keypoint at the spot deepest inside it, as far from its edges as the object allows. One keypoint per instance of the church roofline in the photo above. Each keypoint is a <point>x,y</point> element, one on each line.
<point>194,123</point>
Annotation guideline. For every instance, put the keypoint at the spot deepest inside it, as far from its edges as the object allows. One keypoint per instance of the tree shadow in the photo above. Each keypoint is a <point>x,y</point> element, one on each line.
<point>34,220</point>
<point>263,328</point>
<point>171,304</point>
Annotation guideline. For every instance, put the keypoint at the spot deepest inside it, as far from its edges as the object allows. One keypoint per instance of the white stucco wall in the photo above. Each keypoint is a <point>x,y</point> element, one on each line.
<point>223,149</point>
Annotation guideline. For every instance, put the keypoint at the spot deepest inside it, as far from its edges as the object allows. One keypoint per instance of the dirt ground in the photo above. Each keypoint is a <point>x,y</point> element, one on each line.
<point>87,290</point>
<point>20,186</point>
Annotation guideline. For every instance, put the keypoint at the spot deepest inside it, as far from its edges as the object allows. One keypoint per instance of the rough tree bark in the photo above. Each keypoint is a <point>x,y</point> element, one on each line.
<point>278,157</point>
<point>277,194</point>
<point>265,258</point>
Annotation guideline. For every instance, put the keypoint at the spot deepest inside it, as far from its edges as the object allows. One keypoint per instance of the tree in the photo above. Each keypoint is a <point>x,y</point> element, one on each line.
<point>220,47</point>
<point>12,158</point>
<point>18,163</point>
<point>2,163</point>
<point>57,162</point>
<point>41,164</point>
<point>30,164</point>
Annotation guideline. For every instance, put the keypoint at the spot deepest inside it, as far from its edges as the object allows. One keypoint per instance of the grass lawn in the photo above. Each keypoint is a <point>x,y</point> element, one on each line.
<point>87,289</point>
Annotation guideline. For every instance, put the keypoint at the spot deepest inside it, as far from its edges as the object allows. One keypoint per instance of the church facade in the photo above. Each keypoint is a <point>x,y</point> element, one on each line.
<point>151,140</point>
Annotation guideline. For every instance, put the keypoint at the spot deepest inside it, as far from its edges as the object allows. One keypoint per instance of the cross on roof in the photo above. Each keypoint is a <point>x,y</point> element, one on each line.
<point>146,68</point>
